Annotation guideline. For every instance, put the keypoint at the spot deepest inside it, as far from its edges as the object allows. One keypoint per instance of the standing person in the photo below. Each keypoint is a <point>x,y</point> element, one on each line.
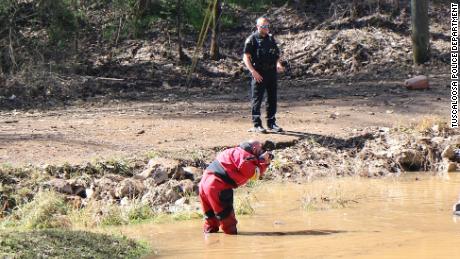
<point>261,56</point>
<point>232,168</point>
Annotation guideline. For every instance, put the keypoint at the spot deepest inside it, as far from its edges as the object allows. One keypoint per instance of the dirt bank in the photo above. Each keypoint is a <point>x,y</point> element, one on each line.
<point>161,184</point>
<point>187,121</point>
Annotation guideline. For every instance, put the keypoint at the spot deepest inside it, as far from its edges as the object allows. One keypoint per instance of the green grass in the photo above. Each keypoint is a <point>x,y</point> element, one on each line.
<point>152,154</point>
<point>58,243</point>
<point>6,166</point>
<point>177,216</point>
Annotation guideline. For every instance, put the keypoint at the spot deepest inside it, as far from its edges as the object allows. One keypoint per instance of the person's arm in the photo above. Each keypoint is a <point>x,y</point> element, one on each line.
<point>254,73</point>
<point>265,162</point>
<point>249,51</point>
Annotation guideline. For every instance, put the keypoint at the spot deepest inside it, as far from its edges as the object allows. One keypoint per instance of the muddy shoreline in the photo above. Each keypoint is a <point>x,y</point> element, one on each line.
<point>167,185</point>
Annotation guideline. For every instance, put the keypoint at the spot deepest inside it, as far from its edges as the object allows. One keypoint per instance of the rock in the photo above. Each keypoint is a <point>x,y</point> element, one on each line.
<point>60,185</point>
<point>78,187</point>
<point>149,184</point>
<point>181,201</point>
<point>455,140</point>
<point>424,141</point>
<point>417,83</point>
<point>89,192</point>
<point>169,192</point>
<point>49,169</point>
<point>160,169</point>
<point>451,167</point>
<point>130,188</point>
<point>437,140</point>
<point>384,129</point>
<point>448,153</point>
<point>143,53</point>
<point>192,173</point>
<point>104,188</point>
<point>70,187</point>
<point>456,209</point>
<point>124,201</point>
<point>333,116</point>
<point>113,177</point>
<point>172,195</point>
<point>187,186</point>
<point>457,155</point>
<point>410,159</point>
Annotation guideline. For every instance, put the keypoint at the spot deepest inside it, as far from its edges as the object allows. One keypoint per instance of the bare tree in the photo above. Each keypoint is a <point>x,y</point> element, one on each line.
<point>77,26</point>
<point>215,31</point>
<point>179,13</point>
<point>354,9</point>
<point>420,31</point>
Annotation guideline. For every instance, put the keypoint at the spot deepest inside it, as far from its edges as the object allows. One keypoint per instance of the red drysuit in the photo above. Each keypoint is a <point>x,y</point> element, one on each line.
<point>232,168</point>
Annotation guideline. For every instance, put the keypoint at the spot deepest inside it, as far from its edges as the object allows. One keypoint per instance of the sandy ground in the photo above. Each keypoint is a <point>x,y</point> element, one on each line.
<point>176,121</point>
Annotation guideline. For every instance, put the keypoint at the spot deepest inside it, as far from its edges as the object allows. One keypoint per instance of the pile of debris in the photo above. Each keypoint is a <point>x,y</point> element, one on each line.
<point>164,184</point>
<point>377,152</point>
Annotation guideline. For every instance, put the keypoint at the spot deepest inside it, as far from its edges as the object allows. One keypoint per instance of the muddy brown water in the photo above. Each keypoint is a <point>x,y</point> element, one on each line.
<point>388,218</point>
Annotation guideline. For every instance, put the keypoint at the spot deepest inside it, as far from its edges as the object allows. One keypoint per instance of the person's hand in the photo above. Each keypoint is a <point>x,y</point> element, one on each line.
<point>280,68</point>
<point>257,76</point>
<point>267,157</point>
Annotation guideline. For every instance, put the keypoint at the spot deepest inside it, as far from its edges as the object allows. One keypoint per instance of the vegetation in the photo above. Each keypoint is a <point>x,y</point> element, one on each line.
<point>67,22</point>
<point>39,32</point>
<point>243,205</point>
<point>59,243</point>
<point>334,194</point>
<point>46,210</point>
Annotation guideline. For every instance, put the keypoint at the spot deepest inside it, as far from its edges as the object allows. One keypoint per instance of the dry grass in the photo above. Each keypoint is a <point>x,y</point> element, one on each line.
<point>429,123</point>
<point>46,210</point>
<point>335,193</point>
<point>243,205</point>
<point>98,213</point>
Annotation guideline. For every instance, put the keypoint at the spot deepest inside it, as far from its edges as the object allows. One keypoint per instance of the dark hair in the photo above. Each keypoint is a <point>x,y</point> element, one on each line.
<point>247,147</point>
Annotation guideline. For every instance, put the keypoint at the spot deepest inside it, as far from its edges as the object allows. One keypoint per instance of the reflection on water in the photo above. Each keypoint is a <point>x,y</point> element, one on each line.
<point>291,233</point>
<point>394,218</point>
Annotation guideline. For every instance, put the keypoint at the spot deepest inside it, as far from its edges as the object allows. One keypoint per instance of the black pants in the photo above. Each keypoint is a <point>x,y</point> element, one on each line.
<point>257,95</point>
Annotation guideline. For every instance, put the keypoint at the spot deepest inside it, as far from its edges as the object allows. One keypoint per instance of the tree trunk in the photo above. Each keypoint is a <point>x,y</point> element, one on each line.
<point>77,27</point>
<point>354,9</point>
<point>141,8</point>
<point>179,13</point>
<point>420,31</point>
<point>217,10</point>
<point>295,3</point>
<point>396,8</point>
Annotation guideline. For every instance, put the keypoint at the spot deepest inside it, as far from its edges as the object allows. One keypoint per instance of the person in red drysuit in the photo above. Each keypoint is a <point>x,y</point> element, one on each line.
<point>232,168</point>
